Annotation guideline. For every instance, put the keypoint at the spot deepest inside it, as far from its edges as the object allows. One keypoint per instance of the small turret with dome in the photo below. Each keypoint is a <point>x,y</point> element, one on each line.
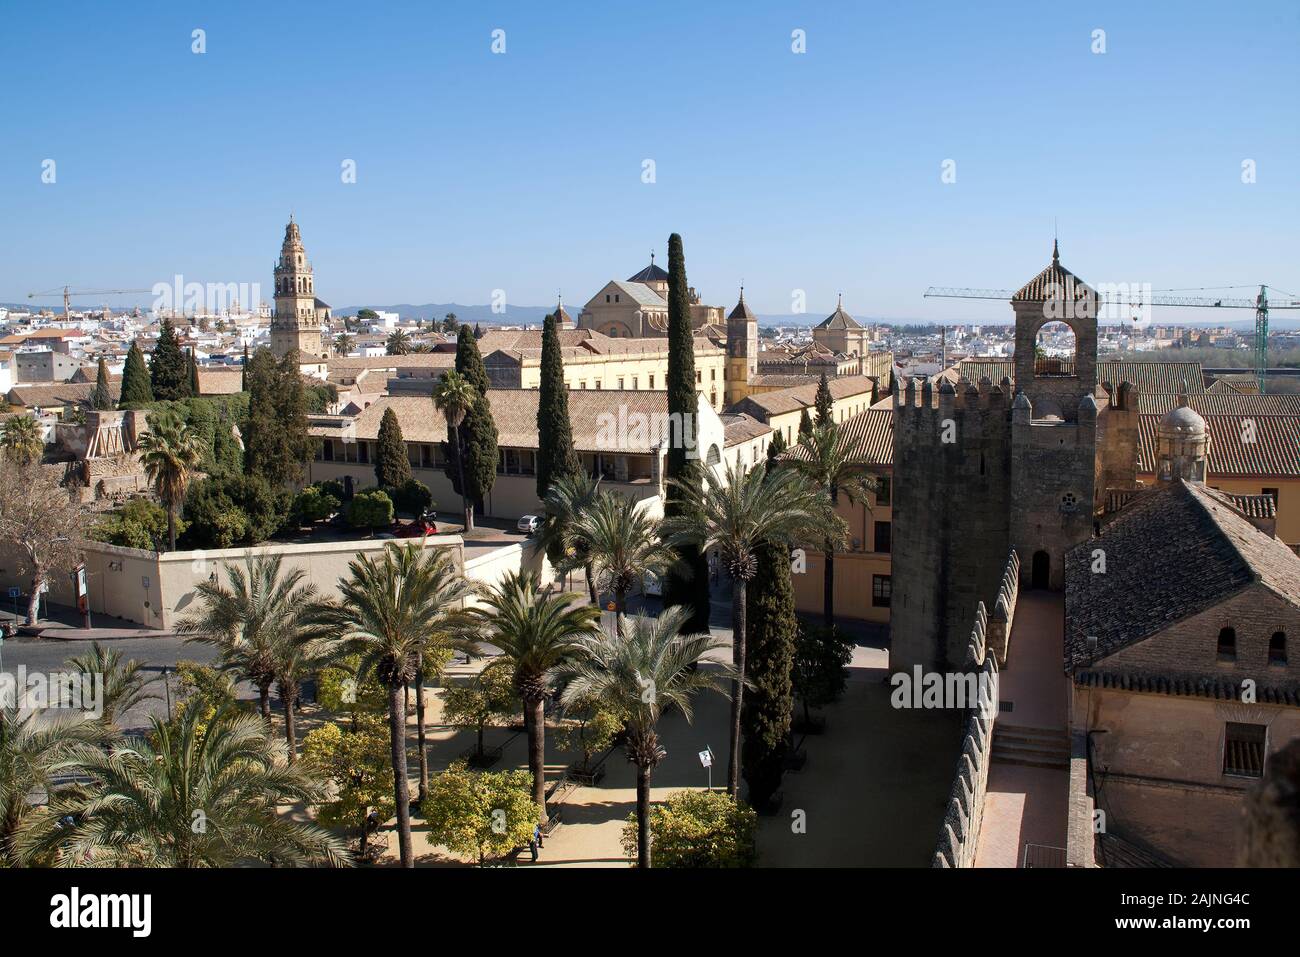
<point>1182,444</point>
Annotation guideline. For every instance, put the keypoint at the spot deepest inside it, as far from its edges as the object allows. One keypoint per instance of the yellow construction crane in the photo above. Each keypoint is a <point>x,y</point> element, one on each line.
<point>68,292</point>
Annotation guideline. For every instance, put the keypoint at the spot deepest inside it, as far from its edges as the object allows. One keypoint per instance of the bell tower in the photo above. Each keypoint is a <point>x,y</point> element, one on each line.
<point>742,351</point>
<point>296,324</point>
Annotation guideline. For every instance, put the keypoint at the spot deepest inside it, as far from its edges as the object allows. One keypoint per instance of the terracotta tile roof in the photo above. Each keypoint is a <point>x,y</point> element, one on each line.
<point>767,404</point>
<point>515,413</point>
<point>1275,453</point>
<point>58,394</point>
<point>578,345</point>
<point>738,427</point>
<point>1147,376</point>
<point>1054,282</point>
<point>839,319</point>
<point>1214,687</point>
<point>870,432</point>
<point>1221,403</point>
<point>1253,506</point>
<point>1171,553</point>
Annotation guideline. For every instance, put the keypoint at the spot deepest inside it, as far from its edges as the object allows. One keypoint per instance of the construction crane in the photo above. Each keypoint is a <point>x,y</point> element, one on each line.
<point>1261,304</point>
<point>68,293</point>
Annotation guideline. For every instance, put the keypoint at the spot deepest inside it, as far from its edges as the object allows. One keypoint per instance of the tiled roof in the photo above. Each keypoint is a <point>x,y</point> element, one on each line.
<point>1054,282</point>
<point>515,413</point>
<point>767,404</point>
<point>1253,506</point>
<point>578,344</point>
<point>738,427</point>
<point>1221,403</point>
<point>1173,552</point>
<point>642,295</point>
<point>1147,376</point>
<point>58,394</point>
<point>1274,453</point>
<point>651,273</point>
<point>1217,688</point>
<point>869,433</point>
<point>839,319</point>
<point>742,310</point>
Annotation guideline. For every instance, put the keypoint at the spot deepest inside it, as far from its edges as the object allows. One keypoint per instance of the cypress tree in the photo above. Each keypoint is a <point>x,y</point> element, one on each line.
<point>805,425</point>
<point>774,449</point>
<point>243,372</point>
<point>478,433</point>
<point>276,443</point>
<point>168,372</point>
<point>136,387</point>
<point>392,466</point>
<point>556,457</point>
<point>769,700</point>
<point>824,403</point>
<point>193,375</point>
<point>690,588</point>
<point>102,399</point>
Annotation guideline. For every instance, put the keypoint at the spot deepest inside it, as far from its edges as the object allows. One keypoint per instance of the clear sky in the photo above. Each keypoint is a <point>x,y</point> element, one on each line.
<point>522,171</point>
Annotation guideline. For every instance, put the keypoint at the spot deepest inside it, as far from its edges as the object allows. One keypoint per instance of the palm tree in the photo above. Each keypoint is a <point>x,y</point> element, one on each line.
<point>537,631</point>
<point>835,462</point>
<point>124,683</point>
<point>399,342</point>
<point>34,749</point>
<point>389,611</point>
<point>642,672</point>
<point>454,396</point>
<point>170,453</point>
<point>22,439</point>
<point>194,794</point>
<point>619,543</point>
<point>248,618</point>
<point>343,344</point>
<point>737,515</point>
<point>569,497</point>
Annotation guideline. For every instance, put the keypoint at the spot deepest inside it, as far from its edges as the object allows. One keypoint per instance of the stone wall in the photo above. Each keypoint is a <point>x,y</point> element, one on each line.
<point>1004,610</point>
<point>960,831</point>
<point>952,454</point>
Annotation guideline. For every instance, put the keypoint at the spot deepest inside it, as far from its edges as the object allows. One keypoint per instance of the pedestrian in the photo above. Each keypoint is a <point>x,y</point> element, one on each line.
<point>533,841</point>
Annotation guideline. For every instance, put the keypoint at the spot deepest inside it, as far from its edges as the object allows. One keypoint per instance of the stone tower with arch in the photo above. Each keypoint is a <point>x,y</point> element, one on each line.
<point>981,468</point>
<point>297,321</point>
<point>742,350</point>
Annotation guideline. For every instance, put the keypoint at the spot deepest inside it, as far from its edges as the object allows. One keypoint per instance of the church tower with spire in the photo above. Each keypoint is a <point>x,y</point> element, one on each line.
<point>297,320</point>
<point>742,351</point>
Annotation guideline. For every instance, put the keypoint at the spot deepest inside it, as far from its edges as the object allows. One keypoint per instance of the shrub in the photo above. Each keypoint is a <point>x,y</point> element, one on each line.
<point>371,509</point>
<point>140,523</point>
<point>313,505</point>
<point>358,763</point>
<point>698,829</point>
<point>231,510</point>
<point>412,497</point>
<point>481,814</point>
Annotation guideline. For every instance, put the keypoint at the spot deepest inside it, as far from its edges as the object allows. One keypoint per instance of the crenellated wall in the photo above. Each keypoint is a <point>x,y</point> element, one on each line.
<point>951,505</point>
<point>959,833</point>
<point>1004,610</point>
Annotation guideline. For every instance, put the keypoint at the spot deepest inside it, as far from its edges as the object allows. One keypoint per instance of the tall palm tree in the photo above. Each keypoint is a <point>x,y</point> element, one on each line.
<point>22,440</point>
<point>170,453</point>
<point>454,396</point>
<point>569,497</point>
<point>536,631</point>
<point>125,684</point>
<point>619,543</point>
<point>399,342</point>
<point>650,667</point>
<point>736,515</point>
<point>837,463</point>
<point>193,794</point>
<point>248,617</point>
<point>389,610</point>
<point>34,749</point>
<point>343,344</point>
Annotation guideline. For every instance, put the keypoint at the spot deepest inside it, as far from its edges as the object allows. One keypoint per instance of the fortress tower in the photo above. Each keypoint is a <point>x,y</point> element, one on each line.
<point>297,320</point>
<point>980,468</point>
<point>742,351</point>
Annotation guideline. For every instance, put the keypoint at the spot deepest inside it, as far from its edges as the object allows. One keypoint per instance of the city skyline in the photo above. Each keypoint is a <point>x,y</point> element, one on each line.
<point>540,192</point>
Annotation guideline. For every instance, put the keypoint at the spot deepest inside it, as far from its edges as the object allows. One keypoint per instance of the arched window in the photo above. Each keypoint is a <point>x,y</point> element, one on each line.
<point>1227,647</point>
<point>1277,648</point>
<point>713,457</point>
<point>1055,349</point>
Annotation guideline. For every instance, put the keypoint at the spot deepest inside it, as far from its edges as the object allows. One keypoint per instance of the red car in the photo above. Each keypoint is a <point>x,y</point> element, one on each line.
<point>424,525</point>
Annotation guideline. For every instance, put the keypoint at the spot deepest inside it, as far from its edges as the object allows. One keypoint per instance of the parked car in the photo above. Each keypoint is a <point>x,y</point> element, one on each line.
<point>529,523</point>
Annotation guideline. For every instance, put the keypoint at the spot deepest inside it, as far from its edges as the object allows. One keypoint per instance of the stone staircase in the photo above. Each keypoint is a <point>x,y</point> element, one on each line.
<point>1031,747</point>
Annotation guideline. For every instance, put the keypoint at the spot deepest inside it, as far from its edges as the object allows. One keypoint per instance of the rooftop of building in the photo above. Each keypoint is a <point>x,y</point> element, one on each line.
<point>767,404</point>
<point>1054,282</point>
<point>1171,553</point>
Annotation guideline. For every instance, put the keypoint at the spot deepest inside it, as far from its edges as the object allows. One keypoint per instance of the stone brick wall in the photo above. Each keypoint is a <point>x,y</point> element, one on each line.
<point>1004,610</point>
<point>960,831</point>
<point>950,512</point>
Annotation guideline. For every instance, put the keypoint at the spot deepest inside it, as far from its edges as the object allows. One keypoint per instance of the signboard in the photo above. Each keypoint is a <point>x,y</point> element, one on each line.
<point>706,758</point>
<point>14,591</point>
<point>83,592</point>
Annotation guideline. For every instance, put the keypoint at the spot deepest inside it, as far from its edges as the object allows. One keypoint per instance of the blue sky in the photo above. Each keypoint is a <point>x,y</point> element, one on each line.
<point>523,171</point>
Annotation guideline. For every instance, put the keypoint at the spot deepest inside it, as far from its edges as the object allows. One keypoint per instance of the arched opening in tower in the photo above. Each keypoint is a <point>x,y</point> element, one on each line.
<point>1055,349</point>
<point>1041,574</point>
